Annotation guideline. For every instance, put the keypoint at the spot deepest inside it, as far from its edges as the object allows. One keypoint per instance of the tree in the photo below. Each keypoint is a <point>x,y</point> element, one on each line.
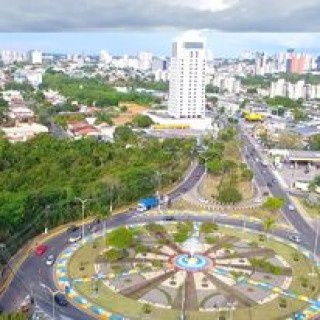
<point>215,166</point>
<point>268,225</point>
<point>3,109</point>
<point>243,103</point>
<point>142,121</point>
<point>124,134</point>
<point>212,89</point>
<point>273,204</point>
<point>103,117</point>
<point>208,227</point>
<point>288,140</point>
<point>229,195</point>
<point>315,183</point>
<point>121,238</point>
<point>114,255</point>
<point>229,165</point>
<point>315,142</point>
<point>247,174</point>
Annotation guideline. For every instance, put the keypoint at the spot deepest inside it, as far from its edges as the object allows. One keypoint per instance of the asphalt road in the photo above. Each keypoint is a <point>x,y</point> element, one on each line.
<point>264,175</point>
<point>34,271</point>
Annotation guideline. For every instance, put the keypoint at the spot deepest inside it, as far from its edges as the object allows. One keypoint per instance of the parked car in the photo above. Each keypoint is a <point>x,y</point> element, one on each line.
<point>50,260</point>
<point>72,228</point>
<point>75,238</point>
<point>295,238</point>
<point>41,249</point>
<point>60,299</point>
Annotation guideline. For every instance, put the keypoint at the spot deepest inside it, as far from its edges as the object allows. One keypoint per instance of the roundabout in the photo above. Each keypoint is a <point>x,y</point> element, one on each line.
<point>207,275</point>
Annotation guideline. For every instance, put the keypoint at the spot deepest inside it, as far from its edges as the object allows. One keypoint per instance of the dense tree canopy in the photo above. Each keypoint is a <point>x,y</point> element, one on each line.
<point>273,204</point>
<point>142,121</point>
<point>121,238</point>
<point>41,177</point>
<point>92,91</point>
<point>315,142</point>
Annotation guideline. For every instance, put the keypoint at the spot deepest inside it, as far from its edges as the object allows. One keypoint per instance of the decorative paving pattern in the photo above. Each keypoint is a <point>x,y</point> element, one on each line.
<point>64,284</point>
<point>179,262</point>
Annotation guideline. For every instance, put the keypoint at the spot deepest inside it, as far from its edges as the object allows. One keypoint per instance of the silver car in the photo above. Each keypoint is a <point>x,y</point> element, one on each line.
<point>295,238</point>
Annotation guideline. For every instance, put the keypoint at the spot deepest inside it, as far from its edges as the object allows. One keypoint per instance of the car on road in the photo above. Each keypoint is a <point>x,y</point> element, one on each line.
<point>60,299</point>
<point>75,238</point>
<point>41,249</point>
<point>169,218</point>
<point>50,260</point>
<point>291,207</point>
<point>295,238</point>
<point>269,184</point>
<point>72,228</point>
<point>257,200</point>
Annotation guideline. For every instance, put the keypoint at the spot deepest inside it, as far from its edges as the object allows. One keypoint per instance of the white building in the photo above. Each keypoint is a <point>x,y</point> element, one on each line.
<point>277,88</point>
<point>105,57</point>
<point>188,76</point>
<point>35,57</point>
<point>145,60</point>
<point>24,131</point>
<point>226,83</point>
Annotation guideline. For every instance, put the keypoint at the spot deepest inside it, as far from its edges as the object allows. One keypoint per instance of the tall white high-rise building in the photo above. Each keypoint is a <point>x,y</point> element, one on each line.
<point>188,76</point>
<point>35,57</point>
<point>105,57</point>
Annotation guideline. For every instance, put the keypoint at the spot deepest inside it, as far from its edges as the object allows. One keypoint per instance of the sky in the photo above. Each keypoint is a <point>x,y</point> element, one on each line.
<point>127,26</point>
<point>157,41</point>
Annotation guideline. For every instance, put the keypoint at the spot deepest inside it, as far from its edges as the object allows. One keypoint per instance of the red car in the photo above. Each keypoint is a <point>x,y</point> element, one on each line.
<point>41,249</point>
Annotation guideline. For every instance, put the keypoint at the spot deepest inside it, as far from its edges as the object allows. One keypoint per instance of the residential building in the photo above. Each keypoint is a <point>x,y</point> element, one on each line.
<point>187,77</point>
<point>23,131</point>
<point>35,57</point>
<point>145,60</point>
<point>105,57</point>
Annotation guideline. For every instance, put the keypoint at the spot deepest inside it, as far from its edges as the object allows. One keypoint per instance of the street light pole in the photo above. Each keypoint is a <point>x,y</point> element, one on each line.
<point>83,203</point>
<point>53,293</point>
<point>315,248</point>
<point>158,174</point>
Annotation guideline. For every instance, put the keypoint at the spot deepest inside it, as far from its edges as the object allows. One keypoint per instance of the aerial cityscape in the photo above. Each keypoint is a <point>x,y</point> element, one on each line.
<point>171,174</point>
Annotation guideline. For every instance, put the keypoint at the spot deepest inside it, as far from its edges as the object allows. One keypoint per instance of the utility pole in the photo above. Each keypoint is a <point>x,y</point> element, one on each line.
<point>83,204</point>
<point>53,293</point>
<point>315,255</point>
<point>158,176</point>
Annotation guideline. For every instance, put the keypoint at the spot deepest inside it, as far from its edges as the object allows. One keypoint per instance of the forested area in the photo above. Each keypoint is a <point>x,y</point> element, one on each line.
<point>41,178</point>
<point>91,90</point>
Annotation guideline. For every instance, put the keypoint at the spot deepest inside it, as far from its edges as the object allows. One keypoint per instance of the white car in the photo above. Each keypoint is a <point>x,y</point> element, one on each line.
<point>291,207</point>
<point>257,200</point>
<point>295,238</point>
<point>50,260</point>
<point>75,238</point>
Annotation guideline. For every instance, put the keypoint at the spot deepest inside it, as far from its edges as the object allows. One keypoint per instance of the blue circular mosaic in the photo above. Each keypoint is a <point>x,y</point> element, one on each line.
<point>194,263</point>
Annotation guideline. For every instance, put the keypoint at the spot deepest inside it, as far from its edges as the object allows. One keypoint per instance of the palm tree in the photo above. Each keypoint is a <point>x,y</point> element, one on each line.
<point>268,225</point>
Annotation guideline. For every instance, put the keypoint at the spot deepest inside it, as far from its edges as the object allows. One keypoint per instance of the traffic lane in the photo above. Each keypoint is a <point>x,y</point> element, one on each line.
<point>281,233</point>
<point>34,270</point>
<point>296,220</point>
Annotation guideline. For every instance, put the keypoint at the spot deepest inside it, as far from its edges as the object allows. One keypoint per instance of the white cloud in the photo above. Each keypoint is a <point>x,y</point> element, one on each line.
<point>224,15</point>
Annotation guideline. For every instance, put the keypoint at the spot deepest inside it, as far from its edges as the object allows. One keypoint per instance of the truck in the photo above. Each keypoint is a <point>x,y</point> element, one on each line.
<point>147,204</point>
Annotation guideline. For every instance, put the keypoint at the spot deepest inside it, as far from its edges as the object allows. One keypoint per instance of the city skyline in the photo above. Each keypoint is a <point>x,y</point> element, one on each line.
<point>158,42</point>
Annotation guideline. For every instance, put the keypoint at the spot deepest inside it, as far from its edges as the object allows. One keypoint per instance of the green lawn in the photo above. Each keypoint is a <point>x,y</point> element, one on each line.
<point>113,302</point>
